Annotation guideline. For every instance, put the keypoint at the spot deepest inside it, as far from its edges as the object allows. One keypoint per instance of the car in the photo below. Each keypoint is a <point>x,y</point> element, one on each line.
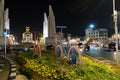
<point>105,45</point>
<point>112,46</point>
<point>80,46</point>
<point>97,45</point>
<point>1,49</point>
<point>87,47</point>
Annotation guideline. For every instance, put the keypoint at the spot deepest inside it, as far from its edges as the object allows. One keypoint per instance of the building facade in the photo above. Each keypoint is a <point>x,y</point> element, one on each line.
<point>98,34</point>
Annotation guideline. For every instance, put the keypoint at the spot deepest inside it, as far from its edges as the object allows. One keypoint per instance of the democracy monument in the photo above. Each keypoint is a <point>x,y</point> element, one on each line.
<point>49,28</point>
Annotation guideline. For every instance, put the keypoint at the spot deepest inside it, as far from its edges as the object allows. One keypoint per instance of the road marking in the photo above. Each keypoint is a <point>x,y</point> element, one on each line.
<point>13,69</point>
<point>13,74</point>
<point>13,65</point>
<point>12,62</point>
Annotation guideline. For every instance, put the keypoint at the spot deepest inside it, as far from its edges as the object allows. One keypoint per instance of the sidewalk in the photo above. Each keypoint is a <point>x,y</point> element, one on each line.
<point>18,76</point>
<point>21,77</point>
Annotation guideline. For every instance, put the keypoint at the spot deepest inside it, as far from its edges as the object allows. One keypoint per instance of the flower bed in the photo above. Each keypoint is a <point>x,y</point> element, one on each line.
<point>51,67</point>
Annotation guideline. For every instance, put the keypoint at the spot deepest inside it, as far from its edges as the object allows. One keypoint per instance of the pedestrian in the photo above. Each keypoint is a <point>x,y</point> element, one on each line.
<point>39,51</point>
<point>35,50</point>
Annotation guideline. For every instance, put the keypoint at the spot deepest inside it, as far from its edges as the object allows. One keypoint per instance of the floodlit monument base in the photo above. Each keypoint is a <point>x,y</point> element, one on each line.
<point>50,41</point>
<point>42,44</point>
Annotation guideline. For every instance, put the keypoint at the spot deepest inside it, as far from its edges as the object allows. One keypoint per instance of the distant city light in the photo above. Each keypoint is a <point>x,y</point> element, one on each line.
<point>5,33</point>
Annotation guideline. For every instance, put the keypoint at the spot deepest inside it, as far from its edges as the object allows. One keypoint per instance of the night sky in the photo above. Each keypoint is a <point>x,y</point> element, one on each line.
<point>77,15</point>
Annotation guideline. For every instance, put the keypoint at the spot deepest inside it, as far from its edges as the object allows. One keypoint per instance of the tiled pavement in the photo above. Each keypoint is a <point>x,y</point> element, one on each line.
<point>13,71</point>
<point>4,68</point>
<point>1,65</point>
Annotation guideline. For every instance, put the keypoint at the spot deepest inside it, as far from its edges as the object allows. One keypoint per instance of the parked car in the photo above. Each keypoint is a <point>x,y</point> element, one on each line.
<point>8,50</point>
<point>1,49</point>
<point>112,46</point>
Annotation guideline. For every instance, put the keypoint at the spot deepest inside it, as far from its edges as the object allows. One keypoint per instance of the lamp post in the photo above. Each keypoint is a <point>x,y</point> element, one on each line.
<point>61,27</point>
<point>91,27</point>
<point>89,30</point>
<point>5,33</point>
<point>116,29</point>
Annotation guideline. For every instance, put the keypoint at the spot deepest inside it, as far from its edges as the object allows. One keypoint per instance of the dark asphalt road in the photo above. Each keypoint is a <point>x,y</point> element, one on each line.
<point>103,52</point>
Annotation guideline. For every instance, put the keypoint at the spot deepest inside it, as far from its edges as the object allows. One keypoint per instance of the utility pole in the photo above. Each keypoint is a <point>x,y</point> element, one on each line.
<point>5,34</point>
<point>116,29</point>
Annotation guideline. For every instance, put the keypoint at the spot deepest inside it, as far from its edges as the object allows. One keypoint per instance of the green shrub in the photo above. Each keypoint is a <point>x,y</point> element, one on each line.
<point>51,67</point>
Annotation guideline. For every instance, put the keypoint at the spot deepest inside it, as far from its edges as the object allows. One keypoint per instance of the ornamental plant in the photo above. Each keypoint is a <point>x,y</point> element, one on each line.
<point>51,67</point>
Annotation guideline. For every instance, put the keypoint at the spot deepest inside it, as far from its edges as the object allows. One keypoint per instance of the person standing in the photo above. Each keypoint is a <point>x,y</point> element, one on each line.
<point>37,50</point>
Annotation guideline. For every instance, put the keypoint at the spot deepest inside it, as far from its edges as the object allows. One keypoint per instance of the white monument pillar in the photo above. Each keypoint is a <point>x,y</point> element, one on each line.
<point>7,21</point>
<point>45,26</point>
<point>51,23</point>
<point>1,17</point>
<point>50,40</point>
<point>4,24</point>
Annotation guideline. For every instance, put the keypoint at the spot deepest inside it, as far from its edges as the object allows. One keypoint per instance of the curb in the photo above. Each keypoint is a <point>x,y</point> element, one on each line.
<point>13,70</point>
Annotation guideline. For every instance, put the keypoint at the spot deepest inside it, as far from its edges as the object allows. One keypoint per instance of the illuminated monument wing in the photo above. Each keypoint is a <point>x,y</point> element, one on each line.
<point>4,18</point>
<point>45,26</point>
<point>1,17</point>
<point>2,24</point>
<point>5,25</point>
<point>7,21</point>
<point>51,23</point>
<point>50,28</point>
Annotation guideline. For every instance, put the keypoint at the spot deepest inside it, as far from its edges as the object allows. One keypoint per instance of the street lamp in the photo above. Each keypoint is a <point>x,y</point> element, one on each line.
<point>91,26</point>
<point>116,29</point>
<point>61,27</point>
<point>5,33</point>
